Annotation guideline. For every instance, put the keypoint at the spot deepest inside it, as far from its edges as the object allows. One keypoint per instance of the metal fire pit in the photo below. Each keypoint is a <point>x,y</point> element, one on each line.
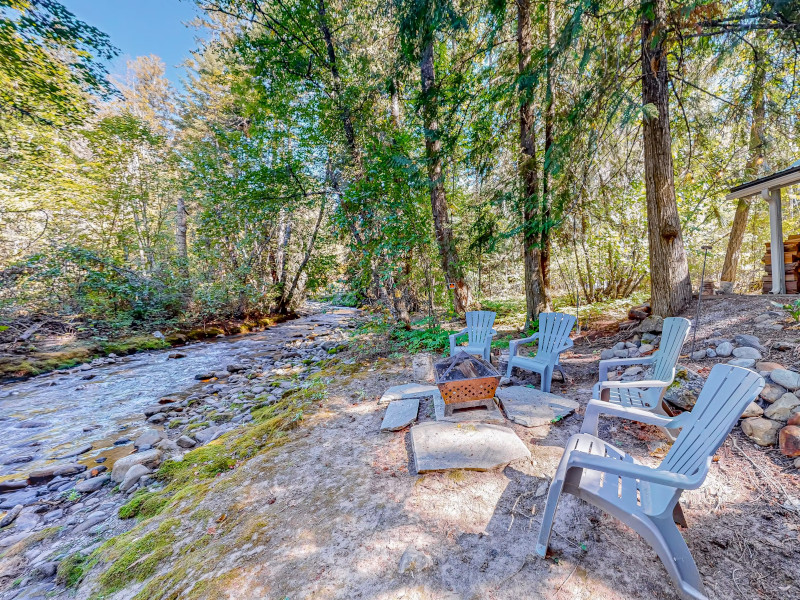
<point>466,381</point>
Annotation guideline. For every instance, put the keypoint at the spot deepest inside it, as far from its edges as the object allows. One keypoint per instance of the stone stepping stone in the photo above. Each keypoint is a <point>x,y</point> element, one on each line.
<point>473,446</point>
<point>407,390</point>
<point>400,414</point>
<point>530,407</point>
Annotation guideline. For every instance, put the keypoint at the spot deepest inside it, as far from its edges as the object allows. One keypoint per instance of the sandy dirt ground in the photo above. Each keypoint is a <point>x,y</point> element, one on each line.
<point>330,513</point>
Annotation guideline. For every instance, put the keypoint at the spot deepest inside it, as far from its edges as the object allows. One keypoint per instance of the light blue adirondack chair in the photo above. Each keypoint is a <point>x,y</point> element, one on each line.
<point>553,336</point>
<point>648,394</point>
<point>647,499</point>
<point>479,331</point>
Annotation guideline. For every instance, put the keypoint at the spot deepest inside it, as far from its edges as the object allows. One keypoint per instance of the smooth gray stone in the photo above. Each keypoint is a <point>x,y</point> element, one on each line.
<point>752,341</point>
<point>747,352</point>
<point>519,403</point>
<point>788,379</point>
<point>747,363</point>
<point>92,484</point>
<point>400,414</point>
<point>408,390</point>
<point>473,446</point>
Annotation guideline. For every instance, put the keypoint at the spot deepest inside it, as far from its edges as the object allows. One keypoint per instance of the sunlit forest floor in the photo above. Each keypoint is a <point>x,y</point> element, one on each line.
<point>330,512</point>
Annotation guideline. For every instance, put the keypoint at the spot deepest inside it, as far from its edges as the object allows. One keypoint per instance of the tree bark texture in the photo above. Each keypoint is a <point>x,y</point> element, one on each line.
<point>180,236</point>
<point>756,158</point>
<point>535,296</point>
<point>547,165</point>
<point>670,284</point>
<point>451,265</point>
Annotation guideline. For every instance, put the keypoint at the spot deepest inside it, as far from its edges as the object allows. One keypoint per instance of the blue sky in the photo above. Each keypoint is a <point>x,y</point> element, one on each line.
<point>142,27</point>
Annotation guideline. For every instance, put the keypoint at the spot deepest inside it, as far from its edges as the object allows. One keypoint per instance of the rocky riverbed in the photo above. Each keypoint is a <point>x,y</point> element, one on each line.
<point>77,444</point>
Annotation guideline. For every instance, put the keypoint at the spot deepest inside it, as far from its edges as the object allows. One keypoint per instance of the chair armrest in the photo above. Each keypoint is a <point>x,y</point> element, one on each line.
<point>514,344</point>
<point>596,406</point>
<point>614,466</point>
<point>567,345</point>
<point>453,339</point>
<point>494,332</point>
<point>605,365</point>
<point>645,384</point>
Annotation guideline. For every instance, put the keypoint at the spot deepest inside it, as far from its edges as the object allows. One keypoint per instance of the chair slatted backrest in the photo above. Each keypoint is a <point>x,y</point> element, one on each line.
<point>479,325</point>
<point>725,395</point>
<point>554,330</point>
<point>672,337</point>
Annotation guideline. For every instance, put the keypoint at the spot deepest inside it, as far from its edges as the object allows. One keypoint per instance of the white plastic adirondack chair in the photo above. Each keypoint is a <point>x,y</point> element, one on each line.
<point>647,499</point>
<point>553,336</point>
<point>480,332</point>
<point>648,394</point>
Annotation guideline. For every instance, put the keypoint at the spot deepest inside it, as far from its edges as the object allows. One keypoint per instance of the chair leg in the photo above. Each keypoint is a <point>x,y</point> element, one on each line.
<point>510,366</point>
<point>553,496</point>
<point>547,377</point>
<point>660,409</point>
<point>591,420</point>
<point>675,555</point>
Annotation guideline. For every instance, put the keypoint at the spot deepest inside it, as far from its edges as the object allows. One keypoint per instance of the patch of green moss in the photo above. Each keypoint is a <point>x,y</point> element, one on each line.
<point>193,426</point>
<point>137,559</point>
<point>144,504</point>
<point>134,344</point>
<point>72,569</point>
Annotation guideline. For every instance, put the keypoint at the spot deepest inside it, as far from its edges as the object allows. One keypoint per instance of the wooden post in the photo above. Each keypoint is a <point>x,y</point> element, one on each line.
<point>773,198</point>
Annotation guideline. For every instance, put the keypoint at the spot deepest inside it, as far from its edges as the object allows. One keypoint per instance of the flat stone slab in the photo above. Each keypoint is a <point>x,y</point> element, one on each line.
<point>530,407</point>
<point>473,446</point>
<point>473,415</point>
<point>407,390</point>
<point>400,414</point>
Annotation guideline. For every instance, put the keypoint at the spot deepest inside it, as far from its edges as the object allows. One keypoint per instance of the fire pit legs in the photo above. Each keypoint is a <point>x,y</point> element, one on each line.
<point>487,403</point>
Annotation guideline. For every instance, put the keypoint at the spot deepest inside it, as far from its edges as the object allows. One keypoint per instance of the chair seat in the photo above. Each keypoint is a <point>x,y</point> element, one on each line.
<point>625,493</point>
<point>531,363</point>
<point>630,397</point>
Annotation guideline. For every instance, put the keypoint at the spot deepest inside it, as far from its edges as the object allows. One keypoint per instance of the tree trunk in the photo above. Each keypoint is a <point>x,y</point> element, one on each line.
<point>549,119</point>
<point>757,142</point>
<point>535,297</point>
<point>670,285</point>
<point>441,215</point>
<point>286,298</point>
<point>180,238</point>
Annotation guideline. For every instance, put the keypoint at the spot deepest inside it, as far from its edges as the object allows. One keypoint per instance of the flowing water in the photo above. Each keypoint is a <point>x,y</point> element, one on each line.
<point>52,415</point>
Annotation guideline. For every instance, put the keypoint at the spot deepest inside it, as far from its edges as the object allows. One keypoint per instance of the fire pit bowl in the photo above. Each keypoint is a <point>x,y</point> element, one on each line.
<point>466,381</point>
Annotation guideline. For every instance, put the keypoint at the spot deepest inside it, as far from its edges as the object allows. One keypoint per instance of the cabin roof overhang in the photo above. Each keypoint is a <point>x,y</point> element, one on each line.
<point>781,179</point>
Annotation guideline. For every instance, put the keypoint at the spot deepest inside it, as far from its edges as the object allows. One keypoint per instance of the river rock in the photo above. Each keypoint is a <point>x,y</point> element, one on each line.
<point>185,442</point>
<point>176,355</point>
<point>92,484</point>
<point>208,434</point>
<point>606,355</point>
<point>789,441</point>
<point>148,438</point>
<point>17,460</point>
<point>752,410</point>
<point>132,477</point>
<point>751,341</point>
<point>14,539</point>
<point>149,458</point>
<point>747,363</point>
<point>788,379</point>
<point>235,368</point>
<point>772,391</point>
<point>747,352</point>
<point>9,485</point>
<point>9,517</point>
<point>645,348</point>
<point>27,521</point>
<point>78,451</point>
<point>782,408</point>
<point>154,409</point>
<point>763,432</point>
<point>67,470</point>
<point>783,346</point>
<point>204,375</point>
<point>725,349</point>
<point>157,419</point>
<point>652,324</point>
<point>698,354</point>
<point>25,497</point>
<point>41,475</point>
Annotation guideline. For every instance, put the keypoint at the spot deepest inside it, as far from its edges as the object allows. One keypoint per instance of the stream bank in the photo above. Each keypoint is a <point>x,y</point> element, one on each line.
<point>89,445</point>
